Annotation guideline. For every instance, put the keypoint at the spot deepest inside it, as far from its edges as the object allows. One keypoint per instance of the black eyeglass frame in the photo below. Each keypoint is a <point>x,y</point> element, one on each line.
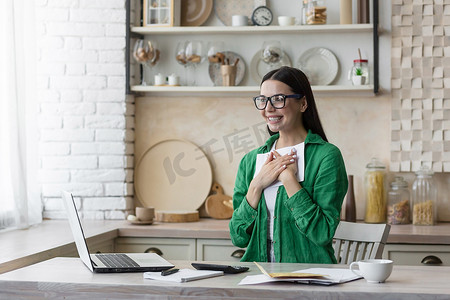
<point>297,96</point>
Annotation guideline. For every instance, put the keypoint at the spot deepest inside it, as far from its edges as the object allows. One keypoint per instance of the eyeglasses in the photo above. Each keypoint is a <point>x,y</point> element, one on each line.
<point>277,101</point>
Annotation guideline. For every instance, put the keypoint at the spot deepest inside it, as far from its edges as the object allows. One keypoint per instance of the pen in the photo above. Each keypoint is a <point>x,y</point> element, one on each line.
<point>169,272</point>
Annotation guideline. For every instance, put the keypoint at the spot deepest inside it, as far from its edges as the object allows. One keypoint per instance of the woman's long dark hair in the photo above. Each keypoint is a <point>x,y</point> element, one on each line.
<point>299,84</point>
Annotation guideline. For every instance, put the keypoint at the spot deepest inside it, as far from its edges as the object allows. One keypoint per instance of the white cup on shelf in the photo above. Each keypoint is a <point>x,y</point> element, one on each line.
<point>160,79</point>
<point>286,20</point>
<point>239,20</point>
<point>174,79</point>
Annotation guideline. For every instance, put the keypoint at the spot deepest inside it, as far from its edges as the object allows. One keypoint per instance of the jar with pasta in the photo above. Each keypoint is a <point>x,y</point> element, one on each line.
<point>375,192</point>
<point>316,12</point>
<point>424,196</point>
<point>398,202</point>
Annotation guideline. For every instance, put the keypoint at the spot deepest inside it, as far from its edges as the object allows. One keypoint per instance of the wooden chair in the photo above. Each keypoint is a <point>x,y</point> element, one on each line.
<point>358,241</point>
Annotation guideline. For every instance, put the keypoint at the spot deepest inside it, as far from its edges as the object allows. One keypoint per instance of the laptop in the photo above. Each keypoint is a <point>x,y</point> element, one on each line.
<point>109,262</point>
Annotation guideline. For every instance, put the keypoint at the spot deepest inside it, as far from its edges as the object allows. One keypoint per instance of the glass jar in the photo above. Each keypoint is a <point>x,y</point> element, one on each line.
<point>398,202</point>
<point>424,196</point>
<point>316,12</point>
<point>304,10</point>
<point>374,184</point>
<point>359,74</point>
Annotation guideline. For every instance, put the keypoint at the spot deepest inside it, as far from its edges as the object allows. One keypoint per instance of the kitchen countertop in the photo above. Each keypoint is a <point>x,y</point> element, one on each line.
<point>60,278</point>
<point>49,239</point>
<point>23,247</point>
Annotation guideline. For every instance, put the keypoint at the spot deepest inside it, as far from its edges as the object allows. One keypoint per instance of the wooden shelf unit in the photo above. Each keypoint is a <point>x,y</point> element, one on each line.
<point>366,90</point>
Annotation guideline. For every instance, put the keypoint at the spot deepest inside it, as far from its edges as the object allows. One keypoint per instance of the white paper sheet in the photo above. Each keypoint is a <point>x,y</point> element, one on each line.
<point>334,276</point>
<point>261,159</point>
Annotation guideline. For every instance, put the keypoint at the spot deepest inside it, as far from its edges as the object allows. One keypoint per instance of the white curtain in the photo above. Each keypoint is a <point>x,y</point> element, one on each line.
<point>20,204</point>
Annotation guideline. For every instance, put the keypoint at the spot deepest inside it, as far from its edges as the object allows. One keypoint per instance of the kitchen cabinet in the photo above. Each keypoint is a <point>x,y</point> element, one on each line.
<point>221,250</point>
<point>169,248</point>
<point>161,13</point>
<point>101,245</point>
<point>247,35</point>
<point>413,254</point>
<point>181,249</point>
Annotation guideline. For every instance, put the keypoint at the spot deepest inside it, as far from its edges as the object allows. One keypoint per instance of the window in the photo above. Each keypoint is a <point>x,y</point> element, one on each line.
<point>20,204</point>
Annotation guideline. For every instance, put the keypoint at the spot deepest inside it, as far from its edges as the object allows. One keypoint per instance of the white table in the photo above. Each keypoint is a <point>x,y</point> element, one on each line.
<point>68,277</point>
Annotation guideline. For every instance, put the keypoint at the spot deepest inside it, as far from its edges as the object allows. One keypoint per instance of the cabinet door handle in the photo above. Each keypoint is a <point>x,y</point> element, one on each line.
<point>154,250</point>
<point>238,253</point>
<point>431,260</point>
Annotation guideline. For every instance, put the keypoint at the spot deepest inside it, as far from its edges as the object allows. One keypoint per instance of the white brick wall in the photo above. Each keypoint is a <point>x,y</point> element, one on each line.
<point>86,121</point>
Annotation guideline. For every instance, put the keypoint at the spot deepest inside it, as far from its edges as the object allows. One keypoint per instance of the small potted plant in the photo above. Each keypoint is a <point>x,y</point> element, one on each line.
<point>358,78</point>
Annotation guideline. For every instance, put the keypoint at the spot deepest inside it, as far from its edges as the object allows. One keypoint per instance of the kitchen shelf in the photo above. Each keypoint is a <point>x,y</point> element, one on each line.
<point>139,31</point>
<point>338,28</point>
<point>366,90</point>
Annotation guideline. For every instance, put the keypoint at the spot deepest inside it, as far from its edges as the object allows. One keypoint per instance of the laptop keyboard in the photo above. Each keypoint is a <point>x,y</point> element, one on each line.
<point>118,260</point>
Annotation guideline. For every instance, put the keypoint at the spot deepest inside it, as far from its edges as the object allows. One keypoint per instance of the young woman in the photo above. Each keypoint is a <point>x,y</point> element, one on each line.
<point>288,193</point>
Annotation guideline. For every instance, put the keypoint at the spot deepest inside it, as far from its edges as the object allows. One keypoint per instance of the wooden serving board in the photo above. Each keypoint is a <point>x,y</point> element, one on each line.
<point>216,204</point>
<point>215,189</point>
<point>216,208</point>
<point>177,216</point>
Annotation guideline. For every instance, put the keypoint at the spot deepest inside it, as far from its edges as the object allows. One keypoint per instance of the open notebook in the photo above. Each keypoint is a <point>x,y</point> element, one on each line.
<point>322,276</point>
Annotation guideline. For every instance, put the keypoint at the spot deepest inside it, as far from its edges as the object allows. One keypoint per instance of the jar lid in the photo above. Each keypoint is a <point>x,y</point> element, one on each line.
<point>399,182</point>
<point>360,61</point>
<point>375,164</point>
<point>424,171</point>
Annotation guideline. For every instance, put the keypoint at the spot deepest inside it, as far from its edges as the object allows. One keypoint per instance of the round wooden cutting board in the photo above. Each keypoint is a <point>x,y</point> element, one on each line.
<point>173,175</point>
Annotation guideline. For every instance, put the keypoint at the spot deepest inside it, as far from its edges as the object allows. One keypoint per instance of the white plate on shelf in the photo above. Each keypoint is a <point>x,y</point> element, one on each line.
<point>319,64</point>
<point>214,69</point>
<point>259,68</point>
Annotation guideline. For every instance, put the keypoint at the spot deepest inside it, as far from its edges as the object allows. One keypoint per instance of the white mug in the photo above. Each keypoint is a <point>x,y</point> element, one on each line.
<point>238,20</point>
<point>174,79</point>
<point>373,270</point>
<point>160,79</point>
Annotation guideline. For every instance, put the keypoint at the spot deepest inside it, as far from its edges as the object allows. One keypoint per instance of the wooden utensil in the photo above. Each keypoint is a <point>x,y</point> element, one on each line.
<point>215,188</point>
<point>215,206</point>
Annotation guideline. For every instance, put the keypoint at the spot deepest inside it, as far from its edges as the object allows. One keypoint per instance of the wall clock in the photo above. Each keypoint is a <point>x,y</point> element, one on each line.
<point>262,16</point>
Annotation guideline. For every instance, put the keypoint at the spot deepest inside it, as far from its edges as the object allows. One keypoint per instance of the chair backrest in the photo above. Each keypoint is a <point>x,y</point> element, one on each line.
<point>358,241</point>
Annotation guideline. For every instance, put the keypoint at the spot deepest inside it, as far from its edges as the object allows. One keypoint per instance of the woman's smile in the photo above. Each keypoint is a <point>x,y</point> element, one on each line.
<point>274,119</point>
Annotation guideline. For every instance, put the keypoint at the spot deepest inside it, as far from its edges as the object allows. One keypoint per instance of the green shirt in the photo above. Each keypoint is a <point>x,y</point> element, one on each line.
<point>304,224</point>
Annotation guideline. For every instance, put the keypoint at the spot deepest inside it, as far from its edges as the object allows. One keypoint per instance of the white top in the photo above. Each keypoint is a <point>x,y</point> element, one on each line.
<point>270,192</point>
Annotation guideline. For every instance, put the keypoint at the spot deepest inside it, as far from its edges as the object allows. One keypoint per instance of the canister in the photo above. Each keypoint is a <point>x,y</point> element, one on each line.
<point>375,192</point>
<point>424,197</point>
<point>398,211</point>
<point>316,12</point>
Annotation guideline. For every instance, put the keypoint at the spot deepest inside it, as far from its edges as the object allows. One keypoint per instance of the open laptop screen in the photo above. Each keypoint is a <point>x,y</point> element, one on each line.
<point>77,230</point>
